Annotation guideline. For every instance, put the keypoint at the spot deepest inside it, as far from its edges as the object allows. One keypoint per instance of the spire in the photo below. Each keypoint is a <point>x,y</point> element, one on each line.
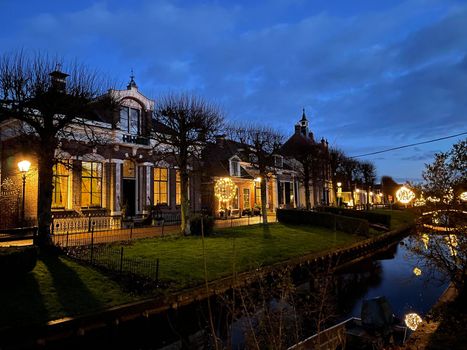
<point>303,116</point>
<point>132,83</point>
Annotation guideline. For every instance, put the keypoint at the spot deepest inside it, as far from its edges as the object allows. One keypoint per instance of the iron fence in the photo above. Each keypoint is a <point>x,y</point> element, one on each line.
<point>114,260</point>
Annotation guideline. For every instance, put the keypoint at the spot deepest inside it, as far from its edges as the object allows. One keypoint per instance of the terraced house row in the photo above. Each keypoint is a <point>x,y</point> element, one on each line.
<point>121,177</point>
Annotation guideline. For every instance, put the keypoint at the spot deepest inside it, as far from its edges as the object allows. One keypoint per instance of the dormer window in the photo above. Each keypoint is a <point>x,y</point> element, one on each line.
<point>278,161</point>
<point>130,120</point>
<point>235,167</point>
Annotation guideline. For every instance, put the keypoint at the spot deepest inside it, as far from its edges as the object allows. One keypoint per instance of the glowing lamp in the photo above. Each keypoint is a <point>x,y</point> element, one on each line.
<point>417,271</point>
<point>339,184</point>
<point>412,321</point>
<point>357,190</point>
<point>405,195</point>
<point>463,196</point>
<point>24,166</point>
<point>258,179</point>
<point>225,189</point>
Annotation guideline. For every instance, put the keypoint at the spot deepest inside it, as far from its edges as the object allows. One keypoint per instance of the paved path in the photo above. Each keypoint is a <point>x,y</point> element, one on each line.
<point>132,233</point>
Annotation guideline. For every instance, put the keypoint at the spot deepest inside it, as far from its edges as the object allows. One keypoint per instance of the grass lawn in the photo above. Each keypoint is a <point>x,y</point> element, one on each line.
<point>398,217</point>
<point>181,258</point>
<point>57,287</point>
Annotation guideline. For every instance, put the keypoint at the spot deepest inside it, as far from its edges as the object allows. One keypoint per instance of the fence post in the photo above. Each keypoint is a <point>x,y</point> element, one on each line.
<point>157,271</point>
<point>92,244</point>
<point>163,225</point>
<point>89,222</point>
<point>67,239</point>
<point>248,219</point>
<point>231,221</point>
<point>131,230</point>
<point>52,224</point>
<point>121,260</point>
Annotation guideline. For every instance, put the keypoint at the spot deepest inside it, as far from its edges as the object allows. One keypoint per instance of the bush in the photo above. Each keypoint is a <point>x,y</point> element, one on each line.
<point>17,260</point>
<point>328,220</point>
<point>195,225</point>
<point>373,218</point>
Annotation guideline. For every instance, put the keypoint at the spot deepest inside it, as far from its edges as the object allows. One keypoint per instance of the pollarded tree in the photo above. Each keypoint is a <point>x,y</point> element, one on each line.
<point>188,123</point>
<point>261,145</point>
<point>368,177</point>
<point>47,105</point>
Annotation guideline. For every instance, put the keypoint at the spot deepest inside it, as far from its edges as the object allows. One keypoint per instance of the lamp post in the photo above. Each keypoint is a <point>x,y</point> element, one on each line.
<point>339,193</point>
<point>23,169</point>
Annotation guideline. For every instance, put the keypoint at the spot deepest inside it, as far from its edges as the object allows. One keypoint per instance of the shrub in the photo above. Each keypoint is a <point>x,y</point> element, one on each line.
<point>373,218</point>
<point>328,220</point>
<point>17,260</point>
<point>195,225</point>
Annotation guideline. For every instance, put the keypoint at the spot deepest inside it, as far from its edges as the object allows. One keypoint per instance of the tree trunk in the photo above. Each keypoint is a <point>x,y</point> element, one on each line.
<point>264,210</point>
<point>185,204</point>
<point>44,200</point>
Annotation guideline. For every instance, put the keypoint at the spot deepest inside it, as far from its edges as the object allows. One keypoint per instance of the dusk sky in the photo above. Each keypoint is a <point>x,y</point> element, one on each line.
<point>371,74</point>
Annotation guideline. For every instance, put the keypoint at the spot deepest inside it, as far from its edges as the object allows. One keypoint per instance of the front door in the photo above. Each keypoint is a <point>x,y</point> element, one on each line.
<point>129,196</point>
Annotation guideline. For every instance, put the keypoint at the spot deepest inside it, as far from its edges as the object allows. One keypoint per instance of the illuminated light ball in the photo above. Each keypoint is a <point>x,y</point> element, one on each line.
<point>417,271</point>
<point>426,240</point>
<point>463,196</point>
<point>405,195</point>
<point>412,321</point>
<point>225,189</point>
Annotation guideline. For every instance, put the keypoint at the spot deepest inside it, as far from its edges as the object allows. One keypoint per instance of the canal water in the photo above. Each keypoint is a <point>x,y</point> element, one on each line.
<point>394,275</point>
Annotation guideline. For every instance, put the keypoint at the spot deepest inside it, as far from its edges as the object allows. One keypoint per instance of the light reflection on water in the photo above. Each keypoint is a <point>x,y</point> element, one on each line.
<point>405,291</point>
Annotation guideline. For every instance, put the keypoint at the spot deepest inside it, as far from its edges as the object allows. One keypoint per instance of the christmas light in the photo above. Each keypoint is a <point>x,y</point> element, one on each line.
<point>417,271</point>
<point>225,189</point>
<point>412,321</point>
<point>426,240</point>
<point>405,195</point>
<point>463,196</point>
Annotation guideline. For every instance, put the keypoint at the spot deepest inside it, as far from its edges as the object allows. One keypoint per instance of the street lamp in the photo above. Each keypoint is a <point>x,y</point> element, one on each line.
<point>23,169</point>
<point>339,193</point>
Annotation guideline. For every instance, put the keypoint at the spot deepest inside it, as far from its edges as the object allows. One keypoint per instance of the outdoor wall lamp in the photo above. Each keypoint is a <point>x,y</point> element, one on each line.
<point>23,167</point>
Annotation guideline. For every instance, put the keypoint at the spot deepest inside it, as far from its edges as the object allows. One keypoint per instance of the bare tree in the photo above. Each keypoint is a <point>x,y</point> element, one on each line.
<point>184,124</point>
<point>47,106</point>
<point>368,177</point>
<point>261,145</point>
<point>389,187</point>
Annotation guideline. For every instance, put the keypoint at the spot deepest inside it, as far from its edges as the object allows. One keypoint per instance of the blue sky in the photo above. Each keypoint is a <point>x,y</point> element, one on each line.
<point>371,74</point>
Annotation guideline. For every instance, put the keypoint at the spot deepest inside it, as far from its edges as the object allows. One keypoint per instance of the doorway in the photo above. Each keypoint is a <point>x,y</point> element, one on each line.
<point>129,198</point>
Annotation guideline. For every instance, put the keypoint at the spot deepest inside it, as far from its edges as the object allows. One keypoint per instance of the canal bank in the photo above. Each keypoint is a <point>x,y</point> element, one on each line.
<point>86,326</point>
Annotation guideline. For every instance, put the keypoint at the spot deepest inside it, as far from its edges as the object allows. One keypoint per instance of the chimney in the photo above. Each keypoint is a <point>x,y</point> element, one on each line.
<point>297,128</point>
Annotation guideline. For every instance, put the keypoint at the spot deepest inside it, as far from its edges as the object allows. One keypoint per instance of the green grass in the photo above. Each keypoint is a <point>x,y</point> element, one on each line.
<point>181,259</point>
<point>56,288</point>
<point>398,217</point>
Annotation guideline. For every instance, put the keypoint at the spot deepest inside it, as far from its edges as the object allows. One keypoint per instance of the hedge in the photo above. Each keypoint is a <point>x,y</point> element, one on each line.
<point>17,260</point>
<point>328,220</point>
<point>373,218</point>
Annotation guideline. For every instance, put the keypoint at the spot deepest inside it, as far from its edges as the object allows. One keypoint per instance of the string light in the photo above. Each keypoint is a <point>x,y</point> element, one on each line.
<point>417,271</point>
<point>225,189</point>
<point>405,195</point>
<point>463,196</point>
<point>412,321</point>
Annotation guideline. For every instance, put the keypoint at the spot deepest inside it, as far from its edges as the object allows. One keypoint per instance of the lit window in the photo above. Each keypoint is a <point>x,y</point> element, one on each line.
<point>257,193</point>
<point>160,185</point>
<point>235,200</point>
<point>91,184</point>
<point>178,188</point>
<point>60,183</point>
<point>246,198</point>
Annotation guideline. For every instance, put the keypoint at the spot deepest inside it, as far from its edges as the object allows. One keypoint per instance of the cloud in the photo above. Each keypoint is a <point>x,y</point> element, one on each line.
<point>370,79</point>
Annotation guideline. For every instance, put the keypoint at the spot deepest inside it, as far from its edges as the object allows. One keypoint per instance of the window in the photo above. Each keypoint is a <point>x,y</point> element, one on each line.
<point>129,171</point>
<point>234,167</point>
<point>178,188</point>
<point>91,184</point>
<point>246,198</point>
<point>130,120</point>
<point>257,193</point>
<point>235,200</point>
<point>60,183</point>
<point>161,185</point>
<point>278,161</point>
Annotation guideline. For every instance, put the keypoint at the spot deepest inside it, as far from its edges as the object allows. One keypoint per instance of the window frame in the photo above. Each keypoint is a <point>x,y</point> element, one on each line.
<point>92,177</point>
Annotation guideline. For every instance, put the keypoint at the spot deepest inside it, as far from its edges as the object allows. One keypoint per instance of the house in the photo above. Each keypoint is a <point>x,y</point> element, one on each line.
<point>300,148</point>
<point>115,178</point>
<point>231,181</point>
